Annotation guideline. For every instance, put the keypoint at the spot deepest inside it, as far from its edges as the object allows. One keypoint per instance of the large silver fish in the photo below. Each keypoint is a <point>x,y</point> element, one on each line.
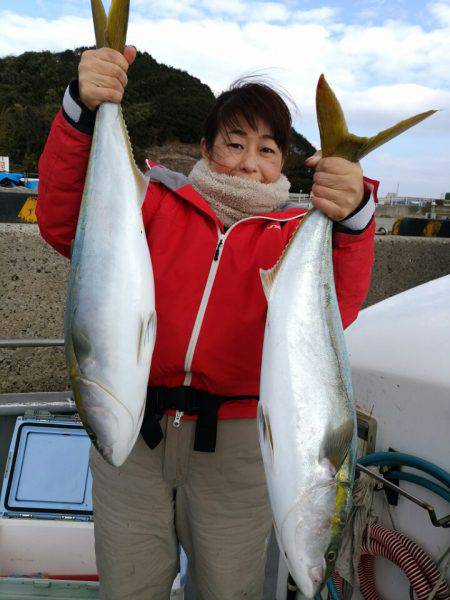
<point>110,314</point>
<point>306,413</point>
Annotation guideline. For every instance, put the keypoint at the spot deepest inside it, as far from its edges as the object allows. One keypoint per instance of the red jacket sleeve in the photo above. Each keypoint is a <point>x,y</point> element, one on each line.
<point>62,171</point>
<point>353,255</point>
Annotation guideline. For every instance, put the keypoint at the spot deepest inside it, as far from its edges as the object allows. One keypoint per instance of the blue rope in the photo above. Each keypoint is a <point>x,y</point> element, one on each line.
<point>407,460</point>
<point>332,589</point>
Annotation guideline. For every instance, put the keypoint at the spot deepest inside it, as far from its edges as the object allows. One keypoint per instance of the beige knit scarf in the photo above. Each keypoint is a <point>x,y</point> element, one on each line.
<point>234,198</point>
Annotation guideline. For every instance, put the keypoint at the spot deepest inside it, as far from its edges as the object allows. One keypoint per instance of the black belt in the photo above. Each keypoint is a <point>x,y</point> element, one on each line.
<point>190,401</point>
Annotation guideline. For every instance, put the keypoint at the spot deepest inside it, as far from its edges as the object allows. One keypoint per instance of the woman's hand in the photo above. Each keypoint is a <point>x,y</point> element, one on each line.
<point>338,185</point>
<point>102,75</point>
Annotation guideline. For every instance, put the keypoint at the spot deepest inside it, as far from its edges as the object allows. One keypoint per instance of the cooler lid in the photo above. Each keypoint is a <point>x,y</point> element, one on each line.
<point>47,473</point>
<point>12,588</point>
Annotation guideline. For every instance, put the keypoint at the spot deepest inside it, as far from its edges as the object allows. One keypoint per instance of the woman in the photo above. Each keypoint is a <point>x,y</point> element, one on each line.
<point>200,481</point>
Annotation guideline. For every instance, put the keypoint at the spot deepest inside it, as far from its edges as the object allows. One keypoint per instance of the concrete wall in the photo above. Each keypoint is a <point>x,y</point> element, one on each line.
<point>404,262</point>
<point>33,288</point>
<point>398,212</point>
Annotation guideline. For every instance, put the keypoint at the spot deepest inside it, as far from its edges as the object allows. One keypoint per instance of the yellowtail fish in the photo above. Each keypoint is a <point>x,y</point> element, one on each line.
<point>110,319</point>
<point>306,412</point>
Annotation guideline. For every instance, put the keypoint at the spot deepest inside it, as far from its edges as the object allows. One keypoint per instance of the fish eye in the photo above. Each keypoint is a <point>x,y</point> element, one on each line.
<point>331,555</point>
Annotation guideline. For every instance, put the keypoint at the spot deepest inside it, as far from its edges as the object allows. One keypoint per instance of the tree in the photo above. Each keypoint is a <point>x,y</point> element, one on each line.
<point>161,104</point>
<point>300,176</point>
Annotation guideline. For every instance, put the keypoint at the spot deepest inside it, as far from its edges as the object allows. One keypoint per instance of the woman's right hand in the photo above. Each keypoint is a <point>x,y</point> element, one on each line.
<point>102,75</point>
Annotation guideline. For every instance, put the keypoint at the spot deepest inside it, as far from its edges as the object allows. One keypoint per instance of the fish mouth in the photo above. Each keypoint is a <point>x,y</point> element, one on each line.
<point>104,420</point>
<point>310,581</point>
<point>317,577</point>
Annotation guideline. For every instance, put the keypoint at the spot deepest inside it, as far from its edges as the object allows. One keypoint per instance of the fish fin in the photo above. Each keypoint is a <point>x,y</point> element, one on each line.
<point>388,134</point>
<point>330,117</point>
<point>336,444</point>
<point>117,24</point>
<point>145,335</point>
<point>83,351</point>
<point>100,22</point>
<point>269,433</point>
<point>335,138</point>
<point>268,276</point>
<point>265,429</point>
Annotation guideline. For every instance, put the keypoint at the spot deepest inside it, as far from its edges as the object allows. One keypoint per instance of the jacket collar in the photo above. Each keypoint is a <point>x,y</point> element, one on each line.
<point>181,185</point>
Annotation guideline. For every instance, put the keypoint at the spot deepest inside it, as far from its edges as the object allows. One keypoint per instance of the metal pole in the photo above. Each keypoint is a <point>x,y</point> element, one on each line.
<point>53,402</point>
<point>31,343</point>
<point>444,522</point>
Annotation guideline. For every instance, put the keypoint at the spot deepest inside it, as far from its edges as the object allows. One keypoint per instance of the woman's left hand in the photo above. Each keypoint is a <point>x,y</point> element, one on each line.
<point>338,185</point>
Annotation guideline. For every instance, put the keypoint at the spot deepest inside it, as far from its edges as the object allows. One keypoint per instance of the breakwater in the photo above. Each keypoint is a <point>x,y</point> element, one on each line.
<point>33,290</point>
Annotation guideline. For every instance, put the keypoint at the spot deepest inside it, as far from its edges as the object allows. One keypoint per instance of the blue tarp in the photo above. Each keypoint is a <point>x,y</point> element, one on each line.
<point>32,185</point>
<point>10,179</point>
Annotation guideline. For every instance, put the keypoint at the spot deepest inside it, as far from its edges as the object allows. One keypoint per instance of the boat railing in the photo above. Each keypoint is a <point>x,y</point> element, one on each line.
<point>31,343</point>
<point>16,404</point>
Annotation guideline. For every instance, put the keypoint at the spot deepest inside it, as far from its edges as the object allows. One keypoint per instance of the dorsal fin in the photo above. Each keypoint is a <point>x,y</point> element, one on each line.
<point>335,138</point>
<point>268,276</point>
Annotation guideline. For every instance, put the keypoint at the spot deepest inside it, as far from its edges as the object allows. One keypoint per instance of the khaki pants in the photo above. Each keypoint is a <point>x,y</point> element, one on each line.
<point>214,504</point>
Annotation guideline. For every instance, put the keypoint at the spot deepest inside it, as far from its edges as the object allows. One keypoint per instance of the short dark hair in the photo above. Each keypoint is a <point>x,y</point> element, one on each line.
<point>252,101</point>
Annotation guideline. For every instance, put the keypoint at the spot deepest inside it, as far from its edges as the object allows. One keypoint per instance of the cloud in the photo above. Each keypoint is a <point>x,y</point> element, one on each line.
<point>441,12</point>
<point>322,15</point>
<point>20,34</point>
<point>236,10</point>
<point>382,72</point>
<point>427,174</point>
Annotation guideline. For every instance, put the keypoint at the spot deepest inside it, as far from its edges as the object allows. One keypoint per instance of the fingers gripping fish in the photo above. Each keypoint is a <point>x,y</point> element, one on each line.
<point>306,413</point>
<point>110,319</point>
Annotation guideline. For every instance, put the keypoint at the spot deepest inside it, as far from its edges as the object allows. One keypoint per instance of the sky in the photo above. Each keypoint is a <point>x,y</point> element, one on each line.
<point>385,59</point>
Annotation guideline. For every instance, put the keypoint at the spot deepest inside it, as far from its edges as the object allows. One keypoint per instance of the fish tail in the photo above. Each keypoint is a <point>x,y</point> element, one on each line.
<point>334,135</point>
<point>100,22</point>
<point>111,30</point>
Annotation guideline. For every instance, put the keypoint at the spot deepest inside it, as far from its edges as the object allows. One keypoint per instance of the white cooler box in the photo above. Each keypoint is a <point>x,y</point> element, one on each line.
<point>46,528</point>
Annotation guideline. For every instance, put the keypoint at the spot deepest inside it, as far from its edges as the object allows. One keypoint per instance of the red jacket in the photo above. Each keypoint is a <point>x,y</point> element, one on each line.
<point>209,299</point>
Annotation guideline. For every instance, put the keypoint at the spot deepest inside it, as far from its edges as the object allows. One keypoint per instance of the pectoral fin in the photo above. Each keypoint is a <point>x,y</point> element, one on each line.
<point>146,336</point>
<point>265,431</point>
<point>336,444</point>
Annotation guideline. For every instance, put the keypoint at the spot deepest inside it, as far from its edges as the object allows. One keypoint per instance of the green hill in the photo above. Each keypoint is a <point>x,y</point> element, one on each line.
<point>162,104</point>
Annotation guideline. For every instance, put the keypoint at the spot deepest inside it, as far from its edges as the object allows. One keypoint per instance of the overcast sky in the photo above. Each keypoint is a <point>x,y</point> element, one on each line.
<point>385,59</point>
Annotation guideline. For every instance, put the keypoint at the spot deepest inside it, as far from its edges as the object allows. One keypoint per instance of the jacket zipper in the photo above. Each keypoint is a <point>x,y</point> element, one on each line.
<point>202,307</point>
<point>207,292</point>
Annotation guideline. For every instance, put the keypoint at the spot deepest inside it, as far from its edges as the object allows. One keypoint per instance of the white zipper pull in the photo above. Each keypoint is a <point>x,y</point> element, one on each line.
<point>177,420</point>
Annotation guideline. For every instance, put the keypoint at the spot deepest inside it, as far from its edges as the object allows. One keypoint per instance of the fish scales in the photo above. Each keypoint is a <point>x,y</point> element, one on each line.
<point>305,395</point>
<point>110,314</point>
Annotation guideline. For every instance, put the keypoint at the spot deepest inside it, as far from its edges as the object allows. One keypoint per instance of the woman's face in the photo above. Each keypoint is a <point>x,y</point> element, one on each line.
<point>246,153</point>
